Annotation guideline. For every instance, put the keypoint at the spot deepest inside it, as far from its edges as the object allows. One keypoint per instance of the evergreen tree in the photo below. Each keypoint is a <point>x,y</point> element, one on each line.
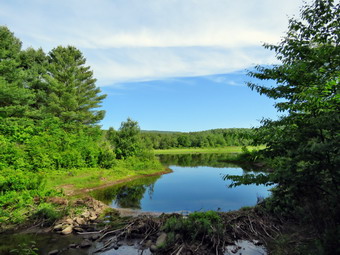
<point>15,96</point>
<point>33,63</point>
<point>72,93</point>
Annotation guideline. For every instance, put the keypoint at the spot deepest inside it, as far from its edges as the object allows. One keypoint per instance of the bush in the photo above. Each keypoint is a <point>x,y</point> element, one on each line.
<point>197,226</point>
<point>48,212</point>
<point>18,180</point>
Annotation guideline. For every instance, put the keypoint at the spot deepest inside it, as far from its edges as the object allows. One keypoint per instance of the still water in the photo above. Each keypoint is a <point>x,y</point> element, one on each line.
<point>196,184</point>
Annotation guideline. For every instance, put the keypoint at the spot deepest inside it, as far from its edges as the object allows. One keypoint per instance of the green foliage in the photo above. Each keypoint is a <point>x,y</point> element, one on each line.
<point>20,193</point>
<point>197,226</point>
<point>48,111</point>
<point>36,85</point>
<point>19,180</point>
<point>127,141</point>
<point>15,98</point>
<point>71,91</point>
<point>203,139</point>
<point>26,249</point>
<point>50,144</point>
<point>303,145</point>
<point>48,212</point>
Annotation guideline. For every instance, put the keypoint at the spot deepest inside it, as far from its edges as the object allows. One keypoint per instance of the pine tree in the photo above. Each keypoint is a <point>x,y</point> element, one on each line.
<point>15,96</point>
<point>72,94</point>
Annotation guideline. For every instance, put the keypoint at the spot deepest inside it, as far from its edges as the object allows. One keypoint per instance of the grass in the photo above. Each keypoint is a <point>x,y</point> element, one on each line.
<point>229,149</point>
<point>33,202</point>
<point>82,178</point>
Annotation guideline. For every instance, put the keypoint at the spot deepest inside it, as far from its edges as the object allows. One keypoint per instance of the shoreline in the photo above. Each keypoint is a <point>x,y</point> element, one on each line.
<point>75,191</point>
<point>228,149</point>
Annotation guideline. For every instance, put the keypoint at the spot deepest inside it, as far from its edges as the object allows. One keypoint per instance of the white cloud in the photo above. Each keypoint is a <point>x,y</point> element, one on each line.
<point>126,40</point>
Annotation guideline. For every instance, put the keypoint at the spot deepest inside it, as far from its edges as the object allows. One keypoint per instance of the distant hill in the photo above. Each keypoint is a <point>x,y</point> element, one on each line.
<point>161,132</point>
<point>216,130</point>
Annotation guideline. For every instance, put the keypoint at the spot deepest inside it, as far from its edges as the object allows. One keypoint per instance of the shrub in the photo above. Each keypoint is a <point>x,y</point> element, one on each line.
<point>198,225</point>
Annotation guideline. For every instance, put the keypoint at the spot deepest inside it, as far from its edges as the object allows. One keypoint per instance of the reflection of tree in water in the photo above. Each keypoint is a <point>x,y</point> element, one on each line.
<point>130,197</point>
<point>127,195</point>
<point>130,194</point>
<point>206,159</point>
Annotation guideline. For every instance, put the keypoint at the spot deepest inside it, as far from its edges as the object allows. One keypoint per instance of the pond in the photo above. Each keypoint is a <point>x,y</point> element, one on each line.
<point>196,184</point>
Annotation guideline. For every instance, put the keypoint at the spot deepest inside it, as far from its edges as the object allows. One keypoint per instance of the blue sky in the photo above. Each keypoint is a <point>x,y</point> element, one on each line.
<point>174,65</point>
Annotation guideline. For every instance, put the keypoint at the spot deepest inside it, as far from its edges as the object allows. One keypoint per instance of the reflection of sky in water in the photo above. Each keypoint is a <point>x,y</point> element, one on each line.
<point>198,188</point>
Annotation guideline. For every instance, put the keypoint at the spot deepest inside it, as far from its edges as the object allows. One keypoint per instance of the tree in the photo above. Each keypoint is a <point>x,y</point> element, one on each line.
<point>15,96</point>
<point>303,145</point>
<point>72,93</point>
<point>128,141</point>
<point>33,63</point>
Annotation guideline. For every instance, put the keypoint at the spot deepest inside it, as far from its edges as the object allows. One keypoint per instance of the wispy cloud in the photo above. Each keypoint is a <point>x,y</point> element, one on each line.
<point>132,40</point>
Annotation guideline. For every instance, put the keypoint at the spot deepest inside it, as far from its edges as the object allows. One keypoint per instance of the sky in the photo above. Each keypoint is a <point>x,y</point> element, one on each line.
<point>171,65</point>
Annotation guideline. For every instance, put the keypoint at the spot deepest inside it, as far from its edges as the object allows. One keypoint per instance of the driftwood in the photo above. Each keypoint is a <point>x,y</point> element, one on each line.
<point>251,224</point>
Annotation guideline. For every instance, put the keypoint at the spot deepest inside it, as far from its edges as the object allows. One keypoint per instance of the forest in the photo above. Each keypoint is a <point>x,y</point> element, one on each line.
<point>203,139</point>
<point>48,125</point>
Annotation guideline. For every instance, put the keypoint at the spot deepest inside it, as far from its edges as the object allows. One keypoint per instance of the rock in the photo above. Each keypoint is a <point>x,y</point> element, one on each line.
<point>153,248</point>
<point>85,244</point>
<point>161,239</point>
<point>78,229</point>
<point>72,245</point>
<point>93,218</point>
<point>95,237</point>
<point>80,221</point>
<point>85,214</point>
<point>65,225</point>
<point>58,227</point>
<point>67,230</point>
<point>148,243</point>
<point>95,206</point>
<point>69,221</point>
<point>54,252</point>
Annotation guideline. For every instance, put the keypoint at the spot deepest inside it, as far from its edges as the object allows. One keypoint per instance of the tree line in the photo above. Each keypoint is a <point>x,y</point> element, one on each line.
<point>202,139</point>
<point>49,110</point>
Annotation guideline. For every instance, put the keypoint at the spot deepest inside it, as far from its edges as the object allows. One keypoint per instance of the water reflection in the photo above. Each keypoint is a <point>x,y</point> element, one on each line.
<point>192,160</point>
<point>127,195</point>
<point>195,184</point>
<point>218,160</point>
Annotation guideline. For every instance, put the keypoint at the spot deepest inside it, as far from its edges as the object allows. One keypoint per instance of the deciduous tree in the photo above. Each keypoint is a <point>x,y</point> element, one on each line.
<point>303,145</point>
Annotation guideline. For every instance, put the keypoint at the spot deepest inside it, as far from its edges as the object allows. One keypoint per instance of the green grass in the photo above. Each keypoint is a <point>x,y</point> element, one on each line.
<point>93,177</point>
<point>229,149</point>
<point>24,195</point>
